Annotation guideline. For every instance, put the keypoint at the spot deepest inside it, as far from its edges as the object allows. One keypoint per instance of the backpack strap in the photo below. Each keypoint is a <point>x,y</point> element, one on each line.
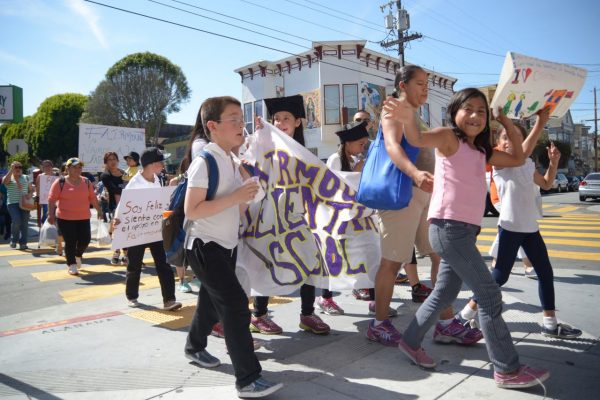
<point>61,182</point>
<point>213,174</point>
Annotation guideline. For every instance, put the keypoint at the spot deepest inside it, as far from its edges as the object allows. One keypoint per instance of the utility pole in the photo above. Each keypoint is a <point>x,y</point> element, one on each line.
<point>595,132</point>
<point>401,24</point>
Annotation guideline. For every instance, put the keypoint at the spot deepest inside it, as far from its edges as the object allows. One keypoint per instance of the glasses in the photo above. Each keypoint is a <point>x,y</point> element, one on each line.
<point>235,121</point>
<point>362,119</point>
<point>18,167</point>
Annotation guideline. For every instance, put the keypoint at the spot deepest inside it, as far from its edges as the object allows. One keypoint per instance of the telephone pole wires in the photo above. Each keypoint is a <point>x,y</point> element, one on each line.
<point>398,25</point>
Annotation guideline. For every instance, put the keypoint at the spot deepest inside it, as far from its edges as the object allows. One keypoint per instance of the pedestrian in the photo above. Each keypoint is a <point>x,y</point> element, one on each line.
<point>47,170</point>
<point>455,214</point>
<point>152,161</point>
<point>211,249</point>
<point>17,185</point>
<point>69,207</point>
<point>4,215</point>
<point>112,178</point>
<point>133,164</point>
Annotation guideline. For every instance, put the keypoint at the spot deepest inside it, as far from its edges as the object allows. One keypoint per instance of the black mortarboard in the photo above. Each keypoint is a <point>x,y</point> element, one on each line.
<point>291,104</point>
<point>353,132</point>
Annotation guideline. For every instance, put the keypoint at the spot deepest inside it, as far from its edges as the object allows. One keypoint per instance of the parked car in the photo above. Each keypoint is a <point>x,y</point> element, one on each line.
<point>589,187</point>
<point>573,183</point>
<point>561,183</point>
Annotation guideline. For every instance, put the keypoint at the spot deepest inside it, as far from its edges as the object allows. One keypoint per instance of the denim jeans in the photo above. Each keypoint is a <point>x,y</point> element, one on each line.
<point>20,223</point>
<point>455,242</point>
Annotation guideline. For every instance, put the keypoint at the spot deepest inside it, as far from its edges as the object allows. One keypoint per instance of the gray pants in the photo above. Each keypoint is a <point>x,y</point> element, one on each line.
<point>461,262</point>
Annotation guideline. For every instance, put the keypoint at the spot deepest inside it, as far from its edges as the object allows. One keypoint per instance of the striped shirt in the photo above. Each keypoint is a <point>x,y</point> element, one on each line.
<point>14,192</point>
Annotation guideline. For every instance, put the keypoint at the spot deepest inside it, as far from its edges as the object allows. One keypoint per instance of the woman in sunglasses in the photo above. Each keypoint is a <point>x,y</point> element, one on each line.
<point>17,185</point>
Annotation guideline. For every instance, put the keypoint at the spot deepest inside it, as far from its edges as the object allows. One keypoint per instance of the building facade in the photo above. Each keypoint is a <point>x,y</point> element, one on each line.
<point>336,79</point>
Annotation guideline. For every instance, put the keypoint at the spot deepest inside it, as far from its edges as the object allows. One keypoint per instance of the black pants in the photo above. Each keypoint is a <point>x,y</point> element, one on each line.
<point>163,269</point>
<point>307,299</point>
<point>77,235</point>
<point>222,298</point>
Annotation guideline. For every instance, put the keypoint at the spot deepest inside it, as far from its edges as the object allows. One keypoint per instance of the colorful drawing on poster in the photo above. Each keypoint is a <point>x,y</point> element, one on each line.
<point>311,104</point>
<point>371,100</point>
<point>527,84</point>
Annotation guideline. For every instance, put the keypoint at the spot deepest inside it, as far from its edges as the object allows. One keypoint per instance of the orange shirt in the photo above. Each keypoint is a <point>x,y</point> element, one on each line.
<point>73,202</point>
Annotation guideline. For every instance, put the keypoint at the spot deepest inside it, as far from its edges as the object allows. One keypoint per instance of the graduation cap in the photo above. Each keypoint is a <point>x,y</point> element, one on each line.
<point>352,132</point>
<point>291,104</point>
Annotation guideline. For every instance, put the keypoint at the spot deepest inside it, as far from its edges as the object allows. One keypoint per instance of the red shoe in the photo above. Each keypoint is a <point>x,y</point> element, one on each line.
<point>264,325</point>
<point>312,323</point>
<point>523,378</point>
<point>218,331</point>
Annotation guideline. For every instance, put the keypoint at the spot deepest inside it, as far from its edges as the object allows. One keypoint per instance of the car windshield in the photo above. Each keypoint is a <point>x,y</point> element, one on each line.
<point>592,177</point>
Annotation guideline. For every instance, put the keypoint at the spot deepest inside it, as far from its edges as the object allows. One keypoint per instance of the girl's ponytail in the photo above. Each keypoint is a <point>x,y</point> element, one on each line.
<point>344,157</point>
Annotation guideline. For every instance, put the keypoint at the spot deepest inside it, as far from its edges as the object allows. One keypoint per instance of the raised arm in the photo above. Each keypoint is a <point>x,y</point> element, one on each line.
<point>545,181</point>
<point>529,143</point>
<point>500,158</point>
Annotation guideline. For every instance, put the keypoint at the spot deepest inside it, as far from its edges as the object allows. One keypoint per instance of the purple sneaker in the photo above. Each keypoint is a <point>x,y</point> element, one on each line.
<point>457,332</point>
<point>417,356</point>
<point>385,333</point>
<point>523,378</point>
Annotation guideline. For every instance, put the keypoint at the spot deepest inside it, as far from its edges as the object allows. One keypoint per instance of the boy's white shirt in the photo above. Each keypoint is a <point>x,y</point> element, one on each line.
<point>221,228</point>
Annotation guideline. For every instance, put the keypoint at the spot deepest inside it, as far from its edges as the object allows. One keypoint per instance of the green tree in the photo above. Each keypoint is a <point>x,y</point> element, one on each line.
<point>23,158</point>
<point>10,131</point>
<point>55,134</point>
<point>141,90</point>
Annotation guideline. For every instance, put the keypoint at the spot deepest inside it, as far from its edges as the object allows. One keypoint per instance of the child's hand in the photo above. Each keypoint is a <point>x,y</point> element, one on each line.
<point>246,192</point>
<point>553,153</point>
<point>543,116</point>
<point>398,109</point>
<point>258,123</point>
<point>499,116</point>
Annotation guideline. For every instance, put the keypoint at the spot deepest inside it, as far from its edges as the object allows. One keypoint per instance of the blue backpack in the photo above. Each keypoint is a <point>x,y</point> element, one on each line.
<point>173,229</point>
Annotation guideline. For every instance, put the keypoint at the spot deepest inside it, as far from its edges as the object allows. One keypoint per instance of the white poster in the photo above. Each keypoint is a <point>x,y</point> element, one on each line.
<point>44,189</point>
<point>140,215</point>
<point>308,228</point>
<point>529,84</point>
<point>96,140</point>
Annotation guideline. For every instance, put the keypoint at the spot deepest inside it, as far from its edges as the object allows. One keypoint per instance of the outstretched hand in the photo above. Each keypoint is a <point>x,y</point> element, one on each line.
<point>553,153</point>
<point>398,109</point>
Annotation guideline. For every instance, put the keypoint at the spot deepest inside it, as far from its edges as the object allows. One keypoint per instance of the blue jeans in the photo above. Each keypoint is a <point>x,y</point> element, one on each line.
<point>455,242</point>
<point>44,208</point>
<point>20,223</point>
<point>536,251</point>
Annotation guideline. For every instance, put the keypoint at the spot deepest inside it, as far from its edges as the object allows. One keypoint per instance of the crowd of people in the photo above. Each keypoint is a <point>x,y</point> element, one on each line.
<point>441,221</point>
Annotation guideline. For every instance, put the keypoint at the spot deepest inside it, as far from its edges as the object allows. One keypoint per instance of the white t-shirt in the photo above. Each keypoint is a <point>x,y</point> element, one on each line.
<point>520,198</point>
<point>221,228</point>
<point>197,146</point>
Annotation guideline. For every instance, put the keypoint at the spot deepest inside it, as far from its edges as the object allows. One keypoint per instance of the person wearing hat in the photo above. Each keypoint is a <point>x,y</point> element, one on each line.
<point>353,141</point>
<point>17,185</point>
<point>133,163</point>
<point>69,207</point>
<point>113,180</point>
<point>152,161</point>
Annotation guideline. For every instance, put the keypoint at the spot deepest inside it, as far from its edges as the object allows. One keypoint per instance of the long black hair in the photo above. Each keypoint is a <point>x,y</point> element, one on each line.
<point>299,134</point>
<point>343,157</point>
<point>405,74</point>
<point>482,141</point>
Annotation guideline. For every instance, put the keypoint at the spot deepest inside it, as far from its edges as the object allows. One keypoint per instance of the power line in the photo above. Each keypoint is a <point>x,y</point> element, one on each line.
<point>463,47</point>
<point>341,12</point>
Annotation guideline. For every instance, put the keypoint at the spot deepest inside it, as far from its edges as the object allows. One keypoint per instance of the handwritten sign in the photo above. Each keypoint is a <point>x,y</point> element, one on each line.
<point>96,140</point>
<point>140,212</point>
<point>529,84</point>
<point>44,189</point>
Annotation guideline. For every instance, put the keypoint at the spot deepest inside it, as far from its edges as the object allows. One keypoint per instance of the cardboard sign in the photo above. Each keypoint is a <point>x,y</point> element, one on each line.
<point>529,84</point>
<point>44,189</point>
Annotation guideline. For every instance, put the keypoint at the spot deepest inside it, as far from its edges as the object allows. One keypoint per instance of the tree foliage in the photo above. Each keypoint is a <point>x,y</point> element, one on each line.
<point>540,153</point>
<point>140,90</point>
<point>10,131</point>
<point>22,158</point>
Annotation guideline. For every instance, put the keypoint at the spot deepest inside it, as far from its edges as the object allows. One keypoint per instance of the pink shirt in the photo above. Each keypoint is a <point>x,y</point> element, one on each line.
<point>73,202</point>
<point>459,186</point>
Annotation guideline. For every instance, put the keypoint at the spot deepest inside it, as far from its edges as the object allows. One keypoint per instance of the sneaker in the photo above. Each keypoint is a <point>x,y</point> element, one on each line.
<point>217,331</point>
<point>72,269</point>
<point>133,303</point>
<point>457,332</point>
<point>314,324</point>
<point>329,306</point>
<point>125,260</point>
<point>78,261</point>
<point>13,245</point>
<point>420,292</point>
<point>385,333</point>
<point>562,331</point>
<point>400,279</point>
<point>530,273</point>
<point>196,282</point>
<point>203,358</point>
<point>361,294</point>
<point>115,258</point>
<point>23,247</point>
<point>264,325</point>
<point>524,377</point>
<point>172,305</point>
<point>392,312</point>
<point>417,356</point>
<point>185,287</point>
<point>259,388</point>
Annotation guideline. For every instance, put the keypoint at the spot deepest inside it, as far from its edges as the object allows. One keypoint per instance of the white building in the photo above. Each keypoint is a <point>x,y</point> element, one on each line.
<point>336,79</point>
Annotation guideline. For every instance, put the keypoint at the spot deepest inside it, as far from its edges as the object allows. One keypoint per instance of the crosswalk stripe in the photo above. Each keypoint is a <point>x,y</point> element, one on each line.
<point>571,255</point>
<point>568,222</point>
<point>29,262</point>
<point>565,209</point>
<point>566,242</point>
<point>561,233</point>
<point>566,228</point>
<point>95,292</point>
<point>57,275</point>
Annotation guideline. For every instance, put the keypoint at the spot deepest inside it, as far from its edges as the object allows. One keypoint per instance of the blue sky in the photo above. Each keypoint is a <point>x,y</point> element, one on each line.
<point>57,46</point>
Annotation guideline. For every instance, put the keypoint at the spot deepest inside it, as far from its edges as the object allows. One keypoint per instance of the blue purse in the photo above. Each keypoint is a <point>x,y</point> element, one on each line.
<point>382,185</point>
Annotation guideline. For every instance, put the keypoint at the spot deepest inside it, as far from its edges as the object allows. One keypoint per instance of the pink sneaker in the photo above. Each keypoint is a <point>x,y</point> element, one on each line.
<point>457,333</point>
<point>264,325</point>
<point>524,377</point>
<point>329,306</point>
<point>384,333</point>
<point>417,356</point>
<point>312,323</point>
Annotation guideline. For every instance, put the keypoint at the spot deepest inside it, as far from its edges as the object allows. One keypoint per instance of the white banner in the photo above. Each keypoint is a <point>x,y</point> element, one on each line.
<point>140,214</point>
<point>528,84</point>
<point>96,140</point>
<point>308,228</point>
<point>44,189</point>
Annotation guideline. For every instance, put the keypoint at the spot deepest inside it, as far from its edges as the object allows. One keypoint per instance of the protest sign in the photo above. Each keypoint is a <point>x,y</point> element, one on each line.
<point>44,189</point>
<point>96,140</point>
<point>308,228</point>
<point>529,84</point>
<point>140,215</point>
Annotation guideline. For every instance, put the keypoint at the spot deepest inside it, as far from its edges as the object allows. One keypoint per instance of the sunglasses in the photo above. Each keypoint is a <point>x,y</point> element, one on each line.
<point>362,119</point>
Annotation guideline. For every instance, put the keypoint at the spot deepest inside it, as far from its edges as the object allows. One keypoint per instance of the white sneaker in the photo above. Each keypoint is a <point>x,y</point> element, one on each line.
<point>78,261</point>
<point>72,269</point>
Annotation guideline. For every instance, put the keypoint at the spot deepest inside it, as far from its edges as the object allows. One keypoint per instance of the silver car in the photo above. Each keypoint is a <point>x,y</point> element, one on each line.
<point>561,183</point>
<point>589,187</point>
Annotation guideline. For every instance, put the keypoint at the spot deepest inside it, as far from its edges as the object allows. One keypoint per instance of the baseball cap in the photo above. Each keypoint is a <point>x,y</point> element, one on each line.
<point>74,161</point>
<point>153,155</point>
<point>134,156</point>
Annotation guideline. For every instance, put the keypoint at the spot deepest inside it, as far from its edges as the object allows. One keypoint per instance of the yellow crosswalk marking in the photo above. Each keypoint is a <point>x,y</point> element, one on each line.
<point>12,252</point>
<point>28,262</point>
<point>568,222</point>
<point>567,242</point>
<point>561,233</point>
<point>546,205</point>
<point>94,292</point>
<point>572,255</point>
<point>566,228</point>
<point>565,209</point>
<point>46,276</point>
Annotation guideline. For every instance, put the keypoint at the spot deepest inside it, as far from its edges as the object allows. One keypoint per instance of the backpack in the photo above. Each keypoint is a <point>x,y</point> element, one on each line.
<point>173,228</point>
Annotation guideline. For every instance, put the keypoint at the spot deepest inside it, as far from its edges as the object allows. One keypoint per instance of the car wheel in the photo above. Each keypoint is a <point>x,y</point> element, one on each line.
<point>581,198</point>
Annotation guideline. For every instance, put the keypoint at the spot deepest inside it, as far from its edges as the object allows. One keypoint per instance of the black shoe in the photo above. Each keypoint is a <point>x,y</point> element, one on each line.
<point>203,359</point>
<point>259,388</point>
<point>562,331</point>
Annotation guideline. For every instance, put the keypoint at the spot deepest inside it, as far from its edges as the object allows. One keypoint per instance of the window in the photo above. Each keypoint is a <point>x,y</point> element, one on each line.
<point>425,114</point>
<point>350,100</point>
<point>332,104</point>
<point>444,116</point>
<point>258,108</point>
<point>249,126</point>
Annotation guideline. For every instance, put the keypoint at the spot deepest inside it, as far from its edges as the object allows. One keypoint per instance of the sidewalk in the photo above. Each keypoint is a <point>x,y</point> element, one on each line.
<point>104,350</point>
